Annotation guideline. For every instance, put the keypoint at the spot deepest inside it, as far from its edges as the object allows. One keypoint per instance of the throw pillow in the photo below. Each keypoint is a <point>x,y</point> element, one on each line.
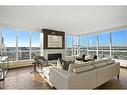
<point>111,61</point>
<point>65,64</point>
<point>59,64</point>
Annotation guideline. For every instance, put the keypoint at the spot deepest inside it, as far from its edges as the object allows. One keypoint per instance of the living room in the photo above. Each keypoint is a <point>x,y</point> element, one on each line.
<point>63,47</point>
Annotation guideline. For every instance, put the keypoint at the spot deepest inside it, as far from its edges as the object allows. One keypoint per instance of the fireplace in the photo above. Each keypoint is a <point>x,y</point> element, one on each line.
<point>54,56</point>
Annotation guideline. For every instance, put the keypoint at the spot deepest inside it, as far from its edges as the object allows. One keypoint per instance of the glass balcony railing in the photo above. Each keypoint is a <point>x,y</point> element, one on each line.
<point>119,54</point>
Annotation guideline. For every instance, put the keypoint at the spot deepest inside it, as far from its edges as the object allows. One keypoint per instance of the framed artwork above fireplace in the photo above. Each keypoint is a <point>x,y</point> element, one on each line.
<point>53,39</point>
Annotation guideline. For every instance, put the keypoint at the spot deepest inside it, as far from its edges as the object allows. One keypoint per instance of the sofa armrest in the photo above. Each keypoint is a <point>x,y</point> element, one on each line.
<point>59,77</point>
<point>118,66</point>
<point>107,72</point>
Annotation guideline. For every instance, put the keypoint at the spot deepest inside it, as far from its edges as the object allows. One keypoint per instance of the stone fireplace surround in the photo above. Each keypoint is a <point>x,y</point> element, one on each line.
<point>53,51</point>
<point>46,50</point>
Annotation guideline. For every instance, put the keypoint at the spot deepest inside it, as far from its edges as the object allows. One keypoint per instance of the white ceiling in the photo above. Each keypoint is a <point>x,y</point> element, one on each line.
<point>70,19</point>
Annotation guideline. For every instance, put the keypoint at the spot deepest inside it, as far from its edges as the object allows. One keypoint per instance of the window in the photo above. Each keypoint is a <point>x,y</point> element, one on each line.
<point>19,44</point>
<point>68,45</point>
<point>92,45</point>
<point>119,44</point>
<point>35,44</point>
<point>9,39</point>
<point>83,45</point>
<point>71,45</point>
<point>35,40</point>
<point>23,40</point>
<point>23,45</point>
<point>75,45</point>
<point>9,43</point>
<point>104,45</point>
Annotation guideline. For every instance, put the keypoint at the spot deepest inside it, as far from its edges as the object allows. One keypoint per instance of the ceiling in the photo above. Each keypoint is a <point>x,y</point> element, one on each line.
<point>70,19</point>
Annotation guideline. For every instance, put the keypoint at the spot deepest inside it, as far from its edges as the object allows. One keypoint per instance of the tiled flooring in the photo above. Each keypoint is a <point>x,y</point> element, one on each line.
<point>21,78</point>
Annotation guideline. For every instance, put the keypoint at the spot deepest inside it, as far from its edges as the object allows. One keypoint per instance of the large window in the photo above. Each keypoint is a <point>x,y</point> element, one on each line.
<point>92,44</point>
<point>104,45</point>
<point>23,40</point>
<point>19,45</point>
<point>68,45</point>
<point>35,44</point>
<point>83,45</point>
<point>23,45</point>
<point>108,44</point>
<point>75,45</point>
<point>71,45</point>
<point>119,44</point>
<point>9,43</point>
<point>35,40</point>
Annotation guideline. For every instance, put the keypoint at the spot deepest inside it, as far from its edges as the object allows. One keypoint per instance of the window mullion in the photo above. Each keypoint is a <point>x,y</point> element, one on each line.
<point>97,41</point>
<point>110,45</point>
<point>16,45</point>
<point>30,46</point>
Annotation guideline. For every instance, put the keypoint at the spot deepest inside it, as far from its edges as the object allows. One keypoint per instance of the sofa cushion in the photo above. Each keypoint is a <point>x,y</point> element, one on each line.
<point>83,68</point>
<point>71,66</point>
<point>100,64</point>
<point>100,60</point>
<point>97,61</point>
<point>106,59</point>
<point>93,62</point>
<point>110,61</point>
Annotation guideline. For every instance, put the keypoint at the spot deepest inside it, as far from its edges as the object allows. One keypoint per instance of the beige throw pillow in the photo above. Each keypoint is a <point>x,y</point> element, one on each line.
<point>59,64</point>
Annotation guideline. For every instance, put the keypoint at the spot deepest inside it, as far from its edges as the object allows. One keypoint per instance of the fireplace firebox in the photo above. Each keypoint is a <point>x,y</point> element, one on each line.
<point>54,56</point>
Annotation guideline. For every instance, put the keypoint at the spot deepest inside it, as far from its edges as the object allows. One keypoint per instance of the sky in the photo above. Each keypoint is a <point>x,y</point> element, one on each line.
<point>23,38</point>
<point>119,38</point>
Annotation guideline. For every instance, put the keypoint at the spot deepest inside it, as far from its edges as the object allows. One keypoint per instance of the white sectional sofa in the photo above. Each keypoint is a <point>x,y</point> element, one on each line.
<point>84,75</point>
